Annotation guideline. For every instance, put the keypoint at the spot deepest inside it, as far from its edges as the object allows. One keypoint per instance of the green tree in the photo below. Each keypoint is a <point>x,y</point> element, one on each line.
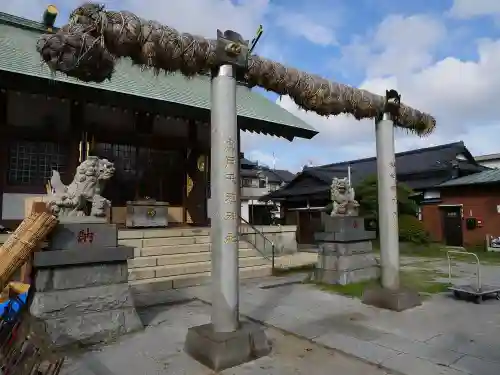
<point>410,228</point>
<point>367,196</point>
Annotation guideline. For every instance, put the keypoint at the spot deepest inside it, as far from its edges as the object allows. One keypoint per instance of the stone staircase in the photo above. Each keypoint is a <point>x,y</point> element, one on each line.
<point>176,258</point>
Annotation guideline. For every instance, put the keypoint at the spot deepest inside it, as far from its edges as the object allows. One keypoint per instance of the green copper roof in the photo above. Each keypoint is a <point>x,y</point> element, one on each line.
<point>18,55</point>
<point>491,176</point>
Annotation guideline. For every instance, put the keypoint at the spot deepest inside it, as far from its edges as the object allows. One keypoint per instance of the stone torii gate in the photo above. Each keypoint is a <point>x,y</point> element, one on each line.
<point>87,47</point>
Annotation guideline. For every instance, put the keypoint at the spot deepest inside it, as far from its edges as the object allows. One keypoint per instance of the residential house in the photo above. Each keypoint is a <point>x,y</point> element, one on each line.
<point>420,169</point>
<point>467,212</point>
<point>257,181</point>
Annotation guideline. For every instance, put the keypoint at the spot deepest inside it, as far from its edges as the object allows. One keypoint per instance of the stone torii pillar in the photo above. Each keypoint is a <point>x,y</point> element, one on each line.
<point>225,342</point>
<point>390,295</point>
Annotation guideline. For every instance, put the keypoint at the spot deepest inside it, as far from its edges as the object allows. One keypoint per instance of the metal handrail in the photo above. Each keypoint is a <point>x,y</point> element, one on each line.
<point>478,266</point>
<point>262,235</point>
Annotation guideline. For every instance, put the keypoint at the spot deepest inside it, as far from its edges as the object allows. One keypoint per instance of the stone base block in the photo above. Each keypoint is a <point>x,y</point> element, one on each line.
<point>219,351</point>
<point>92,328</point>
<point>342,262</point>
<point>83,234</point>
<point>396,300</point>
<point>71,302</point>
<point>80,258</point>
<point>344,229</point>
<point>345,248</point>
<point>344,277</point>
<point>86,316</point>
<point>84,304</point>
<point>347,267</point>
<point>83,276</point>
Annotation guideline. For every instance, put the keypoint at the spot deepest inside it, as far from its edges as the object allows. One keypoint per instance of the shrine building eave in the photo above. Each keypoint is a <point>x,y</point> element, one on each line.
<point>172,93</point>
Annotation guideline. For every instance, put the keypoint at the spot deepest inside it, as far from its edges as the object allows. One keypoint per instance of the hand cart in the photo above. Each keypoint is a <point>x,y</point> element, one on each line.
<point>475,292</point>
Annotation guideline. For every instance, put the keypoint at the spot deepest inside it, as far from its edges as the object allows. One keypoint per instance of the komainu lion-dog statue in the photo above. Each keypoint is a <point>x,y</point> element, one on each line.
<point>86,187</point>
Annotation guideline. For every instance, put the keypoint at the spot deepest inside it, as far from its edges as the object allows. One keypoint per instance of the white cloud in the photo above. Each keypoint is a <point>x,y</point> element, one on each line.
<point>308,20</point>
<point>398,45</point>
<point>298,24</point>
<point>263,158</point>
<point>204,17</point>
<point>461,94</point>
<point>464,9</point>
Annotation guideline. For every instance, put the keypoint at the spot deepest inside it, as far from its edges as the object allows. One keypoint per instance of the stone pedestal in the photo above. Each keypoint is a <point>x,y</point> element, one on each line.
<point>395,300</point>
<point>219,351</point>
<point>82,292</point>
<point>345,251</point>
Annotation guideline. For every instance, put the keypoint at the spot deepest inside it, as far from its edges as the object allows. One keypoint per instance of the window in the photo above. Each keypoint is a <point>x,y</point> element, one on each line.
<point>143,172</point>
<point>262,183</point>
<point>161,175</point>
<point>123,156</point>
<point>31,163</point>
<point>247,182</point>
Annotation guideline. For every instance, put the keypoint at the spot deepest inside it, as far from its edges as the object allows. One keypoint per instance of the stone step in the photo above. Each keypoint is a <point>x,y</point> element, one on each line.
<point>162,260</point>
<point>169,250</point>
<point>185,269</point>
<point>183,281</point>
<point>165,241</point>
<point>129,234</point>
<point>179,249</point>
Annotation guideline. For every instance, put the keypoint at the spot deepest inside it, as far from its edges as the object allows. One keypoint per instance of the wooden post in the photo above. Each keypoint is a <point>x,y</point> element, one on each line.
<point>79,135</point>
<point>195,191</point>
<point>3,144</point>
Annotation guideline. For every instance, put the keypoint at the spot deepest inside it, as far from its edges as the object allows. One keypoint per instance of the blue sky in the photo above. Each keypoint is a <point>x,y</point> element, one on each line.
<point>443,57</point>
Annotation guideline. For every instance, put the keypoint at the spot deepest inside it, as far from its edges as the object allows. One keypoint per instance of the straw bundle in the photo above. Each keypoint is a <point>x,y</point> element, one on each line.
<point>87,46</point>
<point>23,242</point>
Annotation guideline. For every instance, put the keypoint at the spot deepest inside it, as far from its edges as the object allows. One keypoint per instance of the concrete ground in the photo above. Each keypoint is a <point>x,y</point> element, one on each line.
<point>159,350</point>
<point>443,336</point>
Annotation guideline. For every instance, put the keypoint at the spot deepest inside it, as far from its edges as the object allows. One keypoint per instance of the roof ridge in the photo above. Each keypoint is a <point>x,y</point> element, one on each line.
<point>403,153</point>
<point>485,157</point>
<point>23,23</point>
<point>475,178</point>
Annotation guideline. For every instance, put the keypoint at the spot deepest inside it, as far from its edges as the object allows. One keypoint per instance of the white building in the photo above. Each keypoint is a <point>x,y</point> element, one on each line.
<point>257,181</point>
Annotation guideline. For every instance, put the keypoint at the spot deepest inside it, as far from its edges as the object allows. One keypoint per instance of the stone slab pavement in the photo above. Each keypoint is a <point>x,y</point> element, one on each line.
<point>158,350</point>
<point>443,336</point>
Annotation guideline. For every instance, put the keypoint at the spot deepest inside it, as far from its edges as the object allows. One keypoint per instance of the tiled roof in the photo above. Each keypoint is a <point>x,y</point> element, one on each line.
<point>18,55</point>
<point>248,163</point>
<point>278,175</point>
<point>419,169</point>
<point>249,173</point>
<point>491,176</point>
<point>412,162</point>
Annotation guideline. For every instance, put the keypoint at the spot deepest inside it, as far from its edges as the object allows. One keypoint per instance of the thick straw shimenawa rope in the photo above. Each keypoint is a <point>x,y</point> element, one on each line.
<point>88,46</point>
